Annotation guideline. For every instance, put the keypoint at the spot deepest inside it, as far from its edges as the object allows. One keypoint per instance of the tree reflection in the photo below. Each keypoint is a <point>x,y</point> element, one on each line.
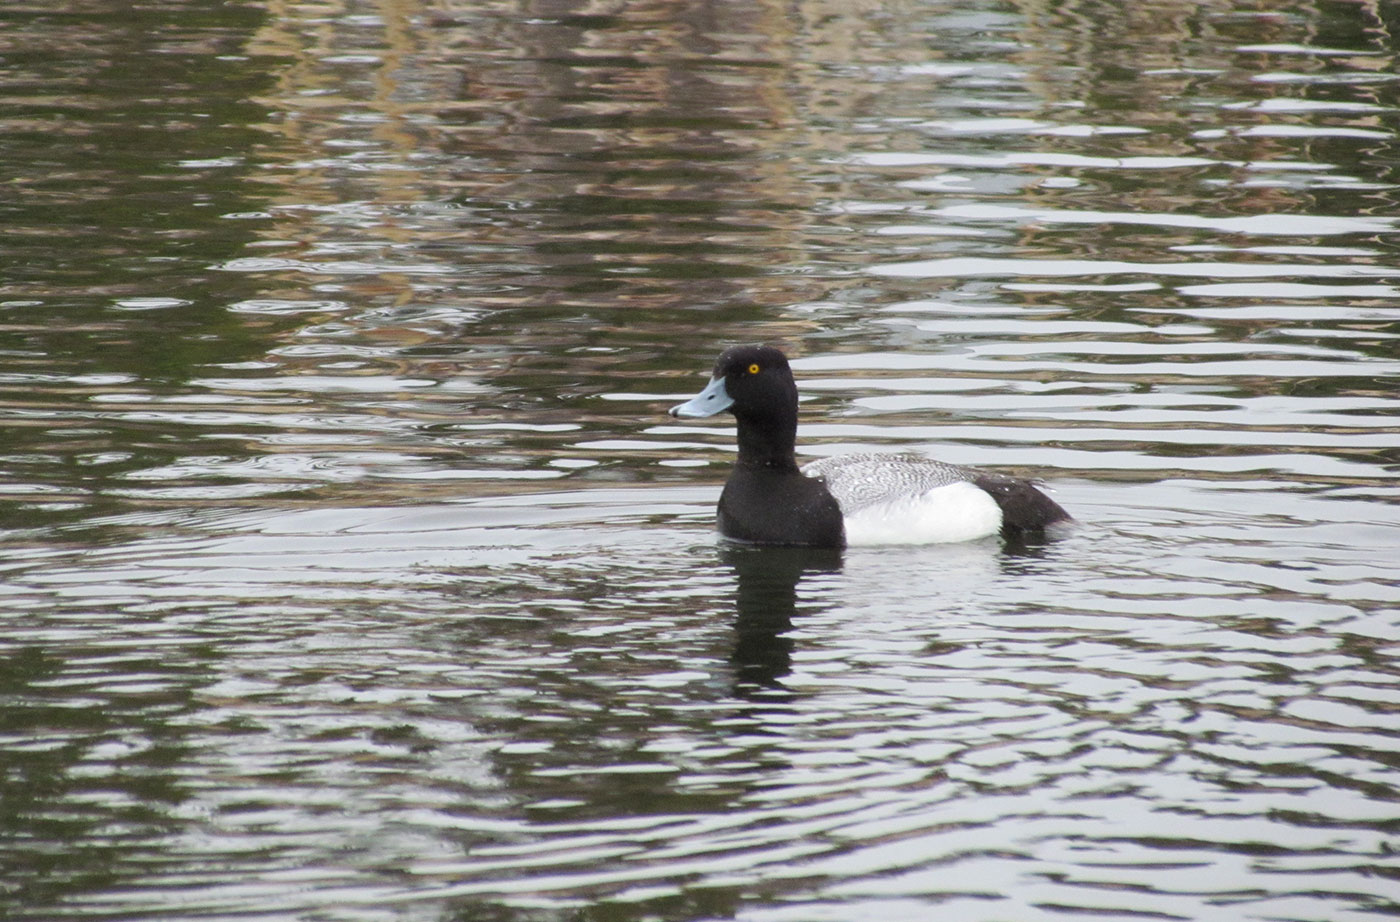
<point>87,779</point>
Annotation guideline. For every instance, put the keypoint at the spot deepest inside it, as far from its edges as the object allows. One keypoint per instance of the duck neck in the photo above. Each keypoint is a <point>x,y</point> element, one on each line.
<point>767,443</point>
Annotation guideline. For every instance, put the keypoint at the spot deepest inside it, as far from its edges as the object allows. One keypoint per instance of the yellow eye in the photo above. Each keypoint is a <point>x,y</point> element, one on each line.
<point>753,369</point>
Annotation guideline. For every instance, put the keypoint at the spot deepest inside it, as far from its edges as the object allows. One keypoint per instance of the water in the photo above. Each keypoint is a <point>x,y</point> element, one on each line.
<point>352,570</point>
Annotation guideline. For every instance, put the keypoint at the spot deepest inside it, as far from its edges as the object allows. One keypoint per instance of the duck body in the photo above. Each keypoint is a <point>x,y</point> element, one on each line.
<point>856,499</point>
<point>907,499</point>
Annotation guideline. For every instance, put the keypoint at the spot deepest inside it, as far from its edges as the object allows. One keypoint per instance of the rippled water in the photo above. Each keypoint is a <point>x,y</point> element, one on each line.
<point>352,570</point>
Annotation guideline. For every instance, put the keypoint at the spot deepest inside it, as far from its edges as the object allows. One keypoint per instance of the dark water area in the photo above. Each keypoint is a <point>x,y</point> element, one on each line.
<point>350,568</point>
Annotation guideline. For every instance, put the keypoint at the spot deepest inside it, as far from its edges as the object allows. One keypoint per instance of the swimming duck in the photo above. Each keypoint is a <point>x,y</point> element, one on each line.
<point>863,498</point>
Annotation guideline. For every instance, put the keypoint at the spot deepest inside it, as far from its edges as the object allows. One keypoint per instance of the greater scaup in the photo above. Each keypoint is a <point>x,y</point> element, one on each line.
<point>866,498</point>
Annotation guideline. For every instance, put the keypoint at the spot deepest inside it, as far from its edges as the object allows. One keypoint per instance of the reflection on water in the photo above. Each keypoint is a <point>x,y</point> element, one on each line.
<point>765,602</point>
<point>353,571</point>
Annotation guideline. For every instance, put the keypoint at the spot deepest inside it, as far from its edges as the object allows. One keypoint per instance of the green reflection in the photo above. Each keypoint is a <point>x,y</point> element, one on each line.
<point>86,775</point>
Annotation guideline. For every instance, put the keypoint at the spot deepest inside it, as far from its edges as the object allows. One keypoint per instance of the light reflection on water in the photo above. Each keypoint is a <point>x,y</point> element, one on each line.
<point>353,571</point>
<point>578,697</point>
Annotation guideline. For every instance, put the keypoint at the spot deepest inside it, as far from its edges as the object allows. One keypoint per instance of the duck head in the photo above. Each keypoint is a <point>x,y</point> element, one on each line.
<point>755,384</point>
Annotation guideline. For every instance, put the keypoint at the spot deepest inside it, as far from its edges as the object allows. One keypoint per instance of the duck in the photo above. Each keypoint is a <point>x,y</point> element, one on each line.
<point>863,498</point>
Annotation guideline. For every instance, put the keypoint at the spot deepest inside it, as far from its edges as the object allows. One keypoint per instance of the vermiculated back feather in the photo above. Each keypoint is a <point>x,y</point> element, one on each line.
<point>859,481</point>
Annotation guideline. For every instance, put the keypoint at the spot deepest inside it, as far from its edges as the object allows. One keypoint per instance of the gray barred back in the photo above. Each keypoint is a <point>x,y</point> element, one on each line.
<point>859,481</point>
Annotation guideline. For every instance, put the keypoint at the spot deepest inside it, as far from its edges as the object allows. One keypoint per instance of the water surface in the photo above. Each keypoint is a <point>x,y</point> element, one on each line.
<point>352,570</point>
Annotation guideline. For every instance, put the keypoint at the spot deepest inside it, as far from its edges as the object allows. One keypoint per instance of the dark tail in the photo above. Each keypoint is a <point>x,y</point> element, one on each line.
<point>1023,507</point>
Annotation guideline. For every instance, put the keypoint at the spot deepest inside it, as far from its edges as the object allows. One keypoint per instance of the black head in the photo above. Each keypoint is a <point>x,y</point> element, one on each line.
<point>755,384</point>
<point>759,381</point>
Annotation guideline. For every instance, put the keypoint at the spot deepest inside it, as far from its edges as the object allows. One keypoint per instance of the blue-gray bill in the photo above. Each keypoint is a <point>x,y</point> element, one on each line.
<point>713,399</point>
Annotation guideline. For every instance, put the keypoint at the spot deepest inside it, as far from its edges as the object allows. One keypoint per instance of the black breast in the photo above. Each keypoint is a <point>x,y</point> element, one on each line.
<point>779,507</point>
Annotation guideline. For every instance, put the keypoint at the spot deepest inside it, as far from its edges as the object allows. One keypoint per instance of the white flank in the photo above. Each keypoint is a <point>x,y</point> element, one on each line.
<point>955,512</point>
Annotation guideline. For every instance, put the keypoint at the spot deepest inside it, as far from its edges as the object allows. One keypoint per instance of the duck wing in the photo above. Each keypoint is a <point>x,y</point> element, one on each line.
<point>865,480</point>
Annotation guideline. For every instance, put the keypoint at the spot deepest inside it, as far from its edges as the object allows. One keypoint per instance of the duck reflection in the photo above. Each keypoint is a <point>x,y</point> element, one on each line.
<point>765,602</point>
